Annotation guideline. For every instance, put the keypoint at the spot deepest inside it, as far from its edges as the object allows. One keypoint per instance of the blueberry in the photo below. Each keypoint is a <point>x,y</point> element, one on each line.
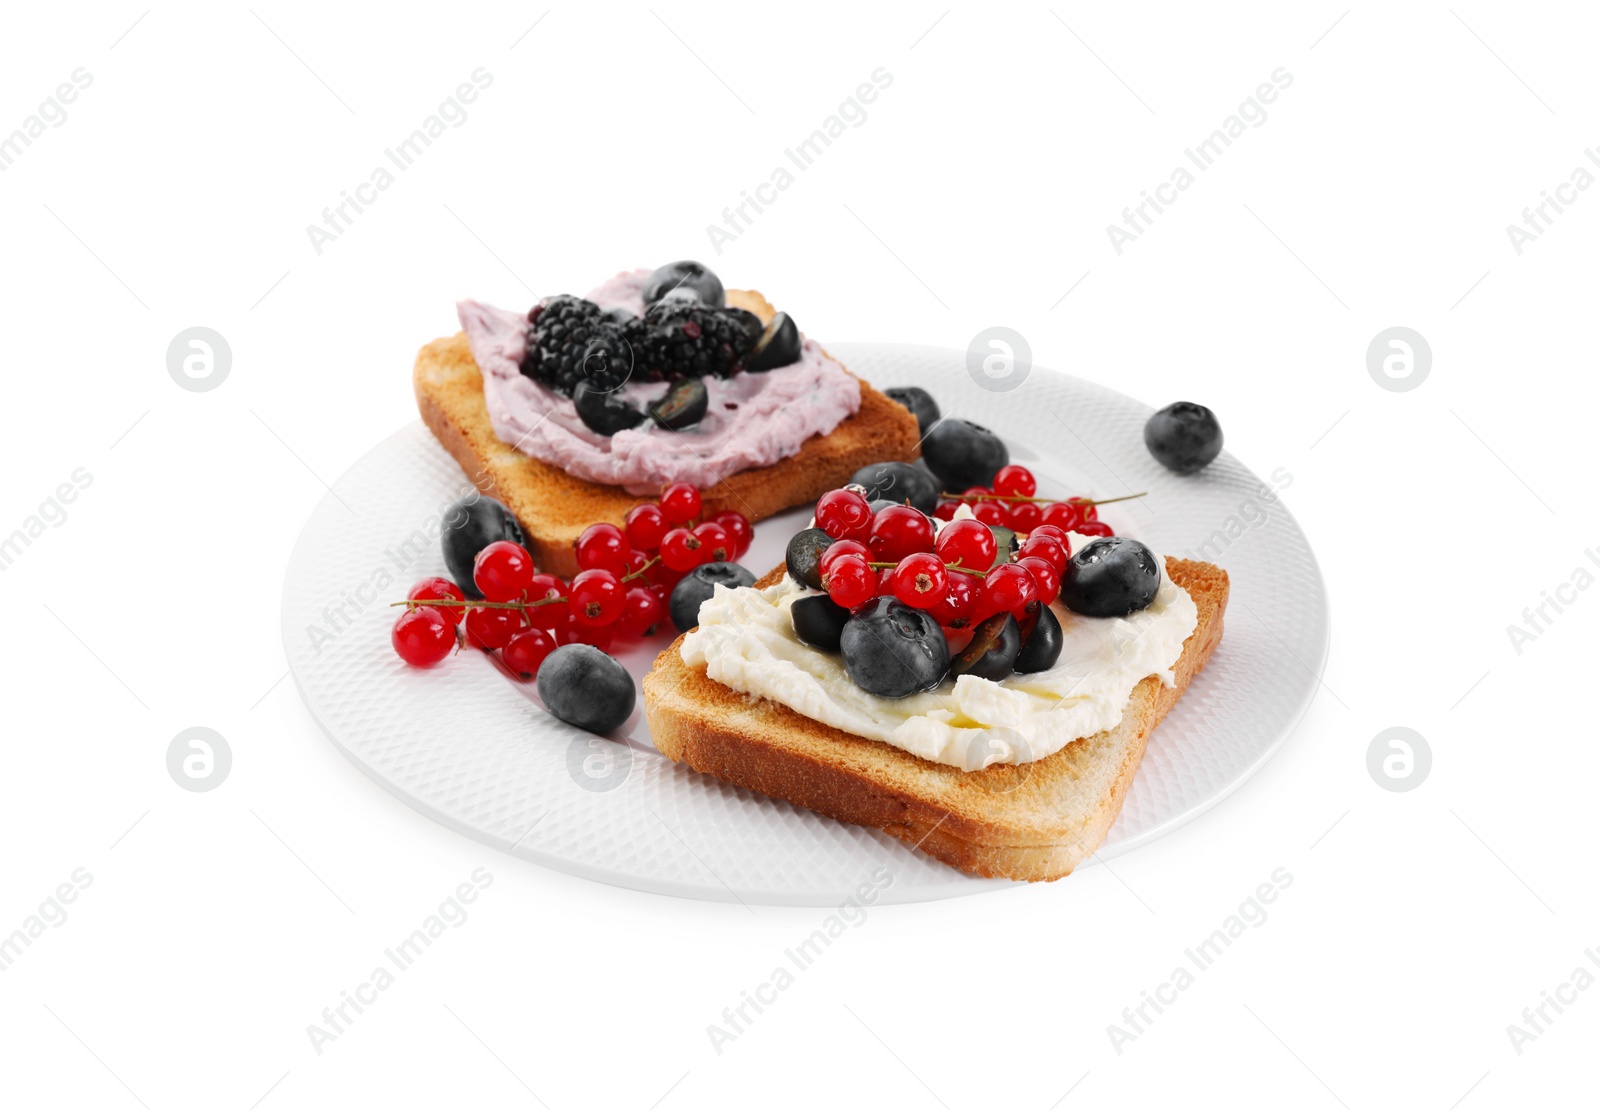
<point>898,483</point>
<point>1043,647</point>
<point>919,402</point>
<point>1183,437</point>
<point>891,649</point>
<point>698,585</point>
<point>963,454</point>
<point>992,651</point>
<point>779,345</point>
<point>586,688</point>
<point>683,406</point>
<point>470,526</point>
<point>819,621</point>
<point>604,412</point>
<point>684,274</point>
<point>1110,577</point>
<point>804,553</point>
<point>620,316</point>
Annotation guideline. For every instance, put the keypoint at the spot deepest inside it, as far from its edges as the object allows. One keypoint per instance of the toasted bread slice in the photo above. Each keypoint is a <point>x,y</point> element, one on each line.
<point>1033,821</point>
<point>554,507</point>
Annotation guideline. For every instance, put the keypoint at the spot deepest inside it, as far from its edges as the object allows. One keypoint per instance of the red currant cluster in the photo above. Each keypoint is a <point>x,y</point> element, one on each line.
<point>951,572</point>
<point>1010,502</point>
<point>619,594</point>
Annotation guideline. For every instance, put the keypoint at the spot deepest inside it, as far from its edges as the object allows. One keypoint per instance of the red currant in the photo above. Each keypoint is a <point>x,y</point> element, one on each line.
<point>885,578</point>
<point>526,651</point>
<point>1009,587</point>
<point>715,543</point>
<point>1055,533</point>
<point>681,550</point>
<point>1014,479</point>
<point>1095,529</point>
<point>600,637</point>
<point>641,613</point>
<point>946,510</point>
<point>1046,577</point>
<point>738,526</point>
<point>645,525</point>
<point>898,531</point>
<point>1086,510</point>
<point>489,628</point>
<point>603,546</point>
<point>844,514</point>
<point>596,598</point>
<point>843,548</point>
<point>1046,548</point>
<point>503,572</point>
<point>549,615</point>
<point>680,502</point>
<point>850,581</point>
<point>990,512</point>
<point>967,544</point>
<point>1022,517</point>
<point>1063,515</point>
<point>920,580</point>
<point>974,494</point>
<point>422,636</point>
<point>439,588</point>
<point>960,602</point>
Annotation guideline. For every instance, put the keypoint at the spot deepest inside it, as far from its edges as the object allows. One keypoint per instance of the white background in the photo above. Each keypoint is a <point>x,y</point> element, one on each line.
<point>977,192</point>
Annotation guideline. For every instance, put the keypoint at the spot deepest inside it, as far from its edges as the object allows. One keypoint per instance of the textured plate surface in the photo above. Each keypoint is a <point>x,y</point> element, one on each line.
<point>475,750</point>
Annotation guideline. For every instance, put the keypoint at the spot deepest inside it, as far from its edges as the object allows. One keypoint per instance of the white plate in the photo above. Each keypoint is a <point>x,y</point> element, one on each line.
<point>474,749</point>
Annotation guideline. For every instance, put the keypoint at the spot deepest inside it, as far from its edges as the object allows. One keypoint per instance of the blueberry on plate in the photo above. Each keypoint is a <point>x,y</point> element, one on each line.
<point>1110,577</point>
<point>899,483</point>
<point>470,526</point>
<point>919,402</point>
<point>819,621</point>
<point>778,346</point>
<point>804,554</point>
<point>963,454</point>
<point>1042,649</point>
<point>683,406</point>
<point>992,651</point>
<point>891,649</point>
<point>602,411</point>
<point>698,585</point>
<point>1183,437</point>
<point>684,274</point>
<point>586,688</point>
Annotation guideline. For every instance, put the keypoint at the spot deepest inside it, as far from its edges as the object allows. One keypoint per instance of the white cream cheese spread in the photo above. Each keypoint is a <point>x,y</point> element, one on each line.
<point>746,641</point>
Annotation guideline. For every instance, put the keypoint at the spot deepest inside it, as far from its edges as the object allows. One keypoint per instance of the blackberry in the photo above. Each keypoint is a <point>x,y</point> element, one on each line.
<point>558,332</point>
<point>678,339</point>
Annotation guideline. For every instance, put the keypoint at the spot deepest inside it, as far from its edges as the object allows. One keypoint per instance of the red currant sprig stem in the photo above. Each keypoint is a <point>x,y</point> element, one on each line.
<point>521,606</point>
<point>1030,498</point>
<point>947,567</point>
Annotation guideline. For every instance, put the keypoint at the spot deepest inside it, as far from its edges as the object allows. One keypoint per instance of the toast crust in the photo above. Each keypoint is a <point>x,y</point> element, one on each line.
<point>1034,821</point>
<point>554,507</point>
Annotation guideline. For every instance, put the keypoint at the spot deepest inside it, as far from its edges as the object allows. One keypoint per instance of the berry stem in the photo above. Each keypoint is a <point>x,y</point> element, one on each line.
<point>947,567</point>
<point>1028,498</point>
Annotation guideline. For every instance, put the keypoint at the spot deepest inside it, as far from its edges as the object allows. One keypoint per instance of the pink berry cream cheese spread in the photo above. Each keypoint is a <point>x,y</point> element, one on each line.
<point>752,419</point>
